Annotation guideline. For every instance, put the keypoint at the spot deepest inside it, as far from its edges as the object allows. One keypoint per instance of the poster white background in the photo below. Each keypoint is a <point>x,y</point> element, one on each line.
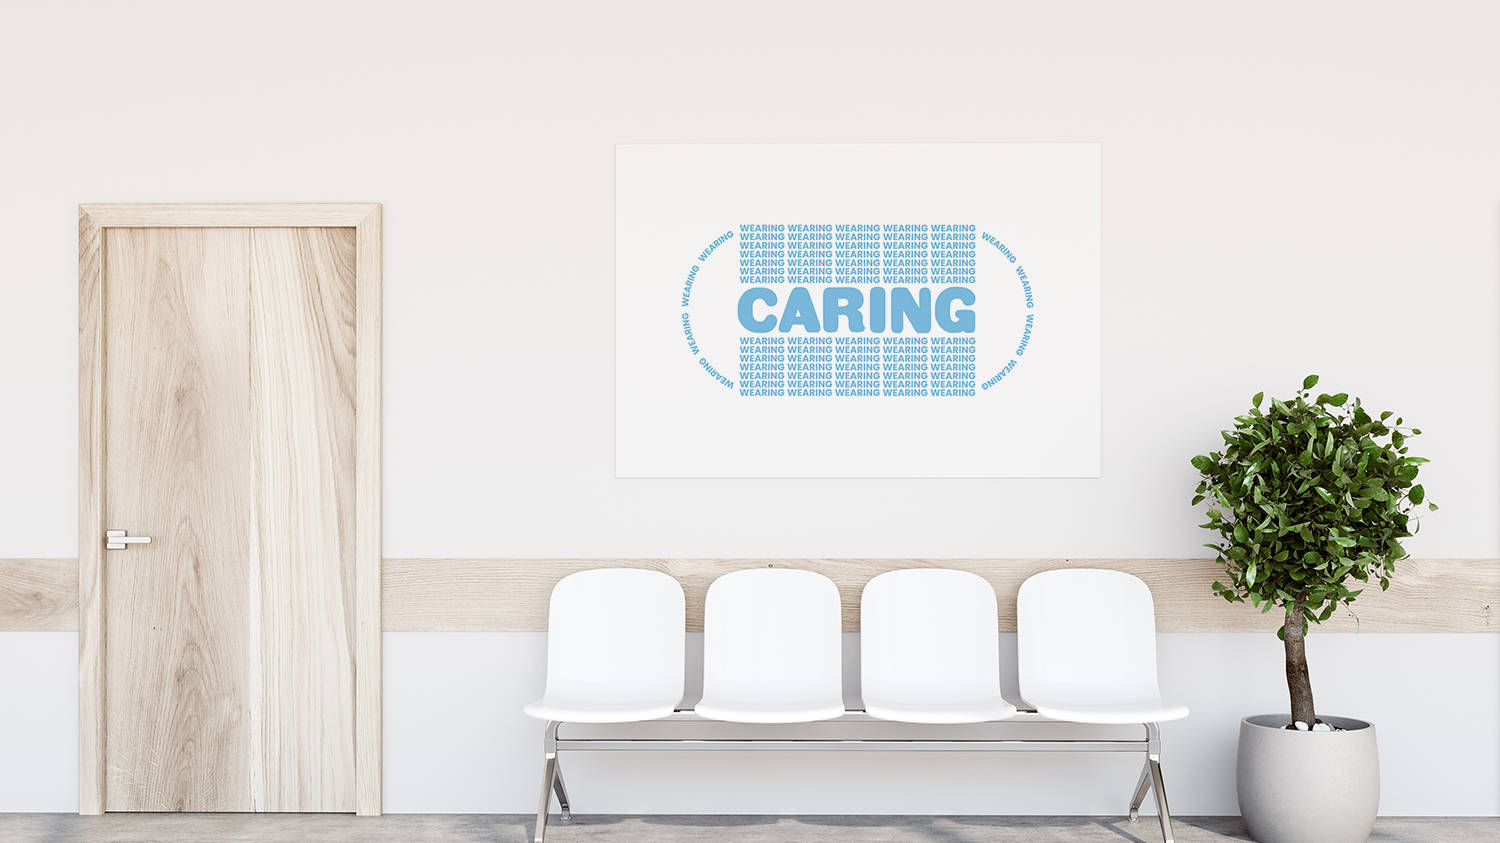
<point>675,420</point>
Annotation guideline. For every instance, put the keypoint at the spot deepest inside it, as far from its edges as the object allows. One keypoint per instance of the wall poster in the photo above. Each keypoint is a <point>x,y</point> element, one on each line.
<point>880,310</point>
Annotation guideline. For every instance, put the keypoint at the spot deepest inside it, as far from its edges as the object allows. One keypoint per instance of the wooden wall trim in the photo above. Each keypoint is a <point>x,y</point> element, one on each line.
<point>282,215</point>
<point>368,562</point>
<point>1427,595</point>
<point>437,595</point>
<point>90,565</point>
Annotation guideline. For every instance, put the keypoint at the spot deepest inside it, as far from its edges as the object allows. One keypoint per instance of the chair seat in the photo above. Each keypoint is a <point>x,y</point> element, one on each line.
<point>591,711</point>
<point>736,711</point>
<point>962,711</point>
<point>1111,714</point>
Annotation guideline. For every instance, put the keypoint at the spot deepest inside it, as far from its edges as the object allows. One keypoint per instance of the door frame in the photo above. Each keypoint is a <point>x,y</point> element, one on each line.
<point>364,218</point>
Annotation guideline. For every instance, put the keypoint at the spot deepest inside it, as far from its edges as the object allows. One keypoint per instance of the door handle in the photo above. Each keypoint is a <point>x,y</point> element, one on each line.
<point>119,540</point>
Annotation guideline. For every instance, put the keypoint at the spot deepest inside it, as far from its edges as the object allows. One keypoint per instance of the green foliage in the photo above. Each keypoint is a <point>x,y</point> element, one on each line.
<point>1309,496</point>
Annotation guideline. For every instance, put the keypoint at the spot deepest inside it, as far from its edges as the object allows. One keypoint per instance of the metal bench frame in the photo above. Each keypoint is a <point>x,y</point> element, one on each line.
<point>1151,778</point>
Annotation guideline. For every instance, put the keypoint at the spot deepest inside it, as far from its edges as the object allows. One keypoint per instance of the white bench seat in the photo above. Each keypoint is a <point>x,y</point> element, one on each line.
<point>1111,714</point>
<point>930,649</point>
<point>1086,654</point>
<point>945,712</point>
<point>589,709</point>
<point>771,648</point>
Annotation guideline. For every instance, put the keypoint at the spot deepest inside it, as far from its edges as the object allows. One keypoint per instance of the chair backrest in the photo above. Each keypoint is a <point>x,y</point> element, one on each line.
<point>1086,636</point>
<point>772,635</point>
<point>616,633</point>
<point>929,633</point>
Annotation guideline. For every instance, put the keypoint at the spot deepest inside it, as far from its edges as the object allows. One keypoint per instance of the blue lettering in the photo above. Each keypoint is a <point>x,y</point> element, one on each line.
<point>916,311</point>
<point>845,302</point>
<point>951,320</point>
<point>799,311</point>
<point>747,310</point>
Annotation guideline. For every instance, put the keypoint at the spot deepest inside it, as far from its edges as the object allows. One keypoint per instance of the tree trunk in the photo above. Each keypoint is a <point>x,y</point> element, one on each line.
<point>1298,681</point>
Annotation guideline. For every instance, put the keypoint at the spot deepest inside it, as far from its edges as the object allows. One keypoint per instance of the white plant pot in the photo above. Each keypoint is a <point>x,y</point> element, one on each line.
<point>1308,787</point>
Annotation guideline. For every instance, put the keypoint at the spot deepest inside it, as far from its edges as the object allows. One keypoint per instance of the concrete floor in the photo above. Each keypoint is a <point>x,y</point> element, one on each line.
<point>406,828</point>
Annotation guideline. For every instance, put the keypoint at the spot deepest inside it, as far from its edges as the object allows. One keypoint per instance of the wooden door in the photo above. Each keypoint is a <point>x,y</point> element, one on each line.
<point>224,656</point>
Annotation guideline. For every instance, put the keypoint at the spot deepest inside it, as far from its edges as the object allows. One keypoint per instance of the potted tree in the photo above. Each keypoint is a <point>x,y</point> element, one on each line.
<point>1310,498</point>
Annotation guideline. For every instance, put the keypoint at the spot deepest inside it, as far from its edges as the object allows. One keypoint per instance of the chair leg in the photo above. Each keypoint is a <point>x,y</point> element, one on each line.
<point>549,775</point>
<point>1162,812</point>
<point>1140,791</point>
<point>1153,767</point>
<point>551,780</point>
<point>562,792</point>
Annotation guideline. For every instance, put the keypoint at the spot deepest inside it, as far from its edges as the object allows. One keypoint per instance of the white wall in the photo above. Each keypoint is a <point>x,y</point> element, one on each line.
<point>447,697</point>
<point>1290,188</point>
<point>454,741</point>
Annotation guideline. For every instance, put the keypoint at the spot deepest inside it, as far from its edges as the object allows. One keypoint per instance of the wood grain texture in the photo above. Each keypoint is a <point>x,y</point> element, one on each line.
<point>301,402</point>
<point>38,594</point>
<point>1428,595</point>
<point>90,588</point>
<point>310,499</point>
<point>368,529</point>
<point>436,595</point>
<point>307,214</point>
<point>177,468</point>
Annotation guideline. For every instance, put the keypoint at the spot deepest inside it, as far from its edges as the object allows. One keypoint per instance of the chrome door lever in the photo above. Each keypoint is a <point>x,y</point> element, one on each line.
<point>119,540</point>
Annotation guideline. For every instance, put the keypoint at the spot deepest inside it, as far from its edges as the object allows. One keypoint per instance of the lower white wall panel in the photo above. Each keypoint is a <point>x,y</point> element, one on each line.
<point>39,722</point>
<point>455,739</point>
